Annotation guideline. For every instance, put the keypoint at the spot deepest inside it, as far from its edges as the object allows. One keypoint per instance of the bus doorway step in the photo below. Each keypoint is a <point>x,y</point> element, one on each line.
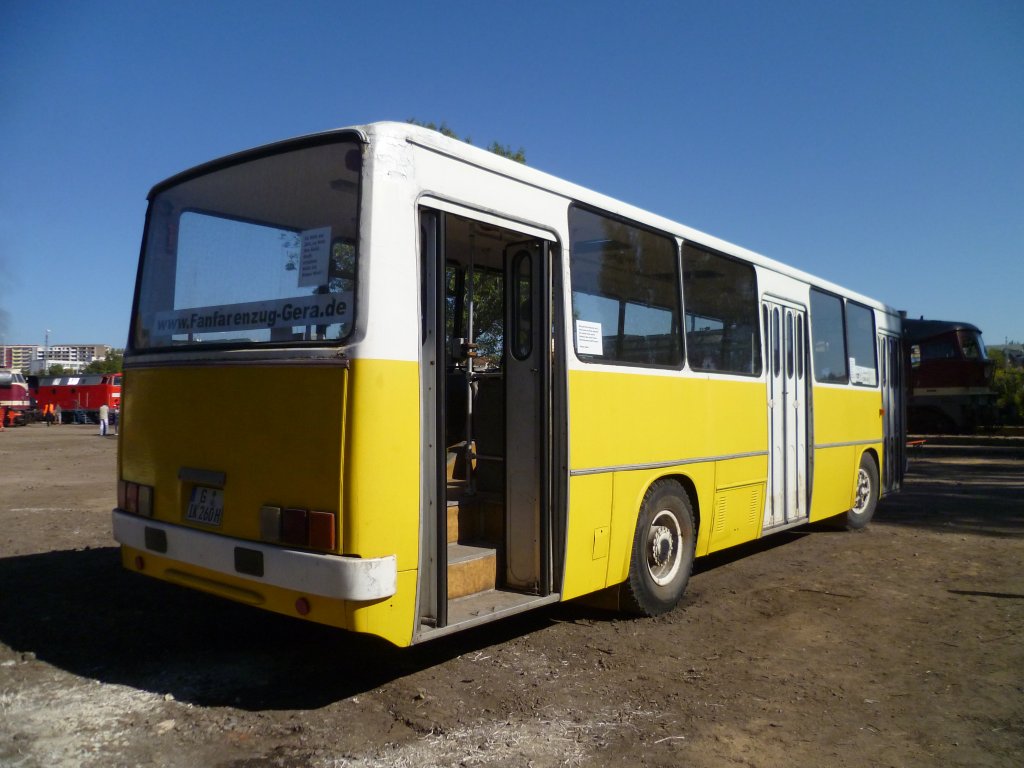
<point>471,569</point>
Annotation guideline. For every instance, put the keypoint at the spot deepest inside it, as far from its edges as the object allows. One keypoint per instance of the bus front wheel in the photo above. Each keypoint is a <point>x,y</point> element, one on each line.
<point>663,547</point>
<point>866,496</point>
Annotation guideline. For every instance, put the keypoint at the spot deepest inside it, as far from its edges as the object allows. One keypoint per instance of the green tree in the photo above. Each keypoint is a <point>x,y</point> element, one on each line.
<point>56,369</point>
<point>504,150</point>
<point>1008,383</point>
<point>112,363</point>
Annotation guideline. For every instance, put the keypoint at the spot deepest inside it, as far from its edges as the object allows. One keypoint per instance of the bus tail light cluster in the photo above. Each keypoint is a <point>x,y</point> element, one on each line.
<point>135,498</point>
<point>298,527</point>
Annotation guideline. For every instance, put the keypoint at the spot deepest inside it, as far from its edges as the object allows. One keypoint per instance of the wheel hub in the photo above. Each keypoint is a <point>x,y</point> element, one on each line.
<point>662,545</point>
<point>863,491</point>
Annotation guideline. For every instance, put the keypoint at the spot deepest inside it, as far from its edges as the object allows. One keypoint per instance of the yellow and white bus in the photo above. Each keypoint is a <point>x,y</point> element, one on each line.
<point>386,381</point>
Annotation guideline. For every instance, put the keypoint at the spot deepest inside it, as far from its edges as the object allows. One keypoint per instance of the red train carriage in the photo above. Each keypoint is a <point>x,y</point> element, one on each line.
<point>950,377</point>
<point>79,397</point>
<point>14,398</point>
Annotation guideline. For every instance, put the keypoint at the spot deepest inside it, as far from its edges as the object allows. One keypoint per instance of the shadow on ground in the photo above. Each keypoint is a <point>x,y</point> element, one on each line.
<point>961,491</point>
<point>80,611</point>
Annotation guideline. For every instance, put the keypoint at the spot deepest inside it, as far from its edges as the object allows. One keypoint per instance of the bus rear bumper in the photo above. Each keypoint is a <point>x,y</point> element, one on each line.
<point>333,576</point>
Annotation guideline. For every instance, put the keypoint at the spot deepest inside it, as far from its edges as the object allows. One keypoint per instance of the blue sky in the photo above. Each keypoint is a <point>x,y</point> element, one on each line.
<point>877,144</point>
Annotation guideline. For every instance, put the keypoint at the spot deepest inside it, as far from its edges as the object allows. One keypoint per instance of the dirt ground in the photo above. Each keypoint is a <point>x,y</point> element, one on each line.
<point>902,645</point>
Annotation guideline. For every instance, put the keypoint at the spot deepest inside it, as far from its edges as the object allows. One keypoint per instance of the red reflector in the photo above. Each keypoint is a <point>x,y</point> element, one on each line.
<point>122,494</point>
<point>321,530</point>
<point>140,564</point>
<point>294,527</point>
<point>302,606</point>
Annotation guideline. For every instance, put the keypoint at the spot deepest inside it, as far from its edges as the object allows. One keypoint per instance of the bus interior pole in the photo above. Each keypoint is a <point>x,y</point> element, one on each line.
<point>470,384</point>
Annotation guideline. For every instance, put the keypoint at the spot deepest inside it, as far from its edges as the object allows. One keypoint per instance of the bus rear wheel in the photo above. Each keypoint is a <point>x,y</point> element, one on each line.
<point>663,547</point>
<point>866,496</point>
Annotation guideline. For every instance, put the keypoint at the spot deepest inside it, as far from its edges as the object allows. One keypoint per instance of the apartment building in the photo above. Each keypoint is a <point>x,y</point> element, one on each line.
<point>34,358</point>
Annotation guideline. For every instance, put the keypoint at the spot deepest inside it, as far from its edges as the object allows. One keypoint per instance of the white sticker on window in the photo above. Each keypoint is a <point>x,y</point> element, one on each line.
<point>862,374</point>
<point>315,256</point>
<point>589,340</point>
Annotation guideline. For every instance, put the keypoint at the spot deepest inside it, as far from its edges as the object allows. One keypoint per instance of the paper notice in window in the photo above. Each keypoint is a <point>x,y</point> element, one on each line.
<point>589,340</point>
<point>862,374</point>
<point>314,257</point>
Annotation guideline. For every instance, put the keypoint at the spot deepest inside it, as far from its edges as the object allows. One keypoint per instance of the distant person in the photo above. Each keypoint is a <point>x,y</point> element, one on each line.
<point>115,416</point>
<point>48,414</point>
<point>57,414</point>
<point>104,415</point>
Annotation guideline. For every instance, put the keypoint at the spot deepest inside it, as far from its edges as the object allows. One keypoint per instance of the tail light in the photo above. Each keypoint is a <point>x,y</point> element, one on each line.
<point>299,527</point>
<point>321,530</point>
<point>135,498</point>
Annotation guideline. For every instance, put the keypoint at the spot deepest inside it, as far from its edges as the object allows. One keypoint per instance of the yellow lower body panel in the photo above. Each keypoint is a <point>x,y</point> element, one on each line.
<point>600,535</point>
<point>620,424</point>
<point>586,556</point>
<point>390,618</point>
<point>847,422</point>
<point>833,487</point>
<point>835,478</point>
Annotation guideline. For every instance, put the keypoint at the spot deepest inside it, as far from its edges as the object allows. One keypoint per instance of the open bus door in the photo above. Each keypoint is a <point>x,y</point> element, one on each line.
<point>894,433</point>
<point>487,354</point>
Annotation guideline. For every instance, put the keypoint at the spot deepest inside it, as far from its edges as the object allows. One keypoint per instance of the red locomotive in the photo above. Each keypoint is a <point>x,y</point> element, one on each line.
<point>79,397</point>
<point>950,377</point>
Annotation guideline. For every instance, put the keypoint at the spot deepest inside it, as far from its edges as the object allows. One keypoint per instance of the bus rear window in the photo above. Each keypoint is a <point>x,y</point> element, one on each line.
<point>260,252</point>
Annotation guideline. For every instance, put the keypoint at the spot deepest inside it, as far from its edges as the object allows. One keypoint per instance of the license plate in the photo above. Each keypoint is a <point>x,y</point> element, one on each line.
<point>206,506</point>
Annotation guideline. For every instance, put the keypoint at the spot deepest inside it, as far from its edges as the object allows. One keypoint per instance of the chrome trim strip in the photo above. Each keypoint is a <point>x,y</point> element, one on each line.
<point>334,576</point>
<point>663,464</point>
<point>848,444</point>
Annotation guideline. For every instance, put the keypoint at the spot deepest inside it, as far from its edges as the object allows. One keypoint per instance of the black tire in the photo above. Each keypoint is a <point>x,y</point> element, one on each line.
<point>866,495</point>
<point>662,555</point>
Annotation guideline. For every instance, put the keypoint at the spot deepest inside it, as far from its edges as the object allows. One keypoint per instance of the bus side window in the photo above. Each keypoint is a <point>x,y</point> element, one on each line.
<point>828,335</point>
<point>789,346</point>
<point>721,299</point>
<point>522,312</point>
<point>860,344</point>
<point>625,291</point>
<point>776,344</point>
<point>799,346</point>
<point>765,333</point>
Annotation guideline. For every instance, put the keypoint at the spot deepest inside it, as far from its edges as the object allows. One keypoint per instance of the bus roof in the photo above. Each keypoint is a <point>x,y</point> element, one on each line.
<point>489,161</point>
